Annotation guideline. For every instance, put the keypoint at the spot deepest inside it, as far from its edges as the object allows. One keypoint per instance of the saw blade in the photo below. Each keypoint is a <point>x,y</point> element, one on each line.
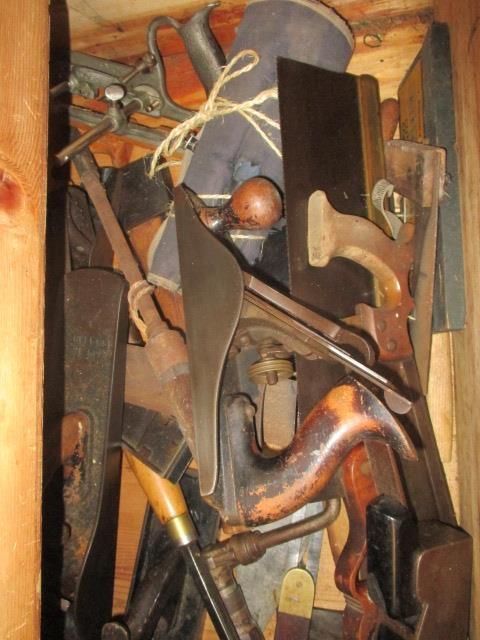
<point>323,142</point>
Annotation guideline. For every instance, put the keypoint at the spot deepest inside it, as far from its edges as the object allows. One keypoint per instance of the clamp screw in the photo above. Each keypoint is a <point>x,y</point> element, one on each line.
<point>114,93</point>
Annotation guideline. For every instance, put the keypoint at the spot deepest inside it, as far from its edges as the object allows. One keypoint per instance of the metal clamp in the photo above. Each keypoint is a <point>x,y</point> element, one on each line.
<point>141,88</point>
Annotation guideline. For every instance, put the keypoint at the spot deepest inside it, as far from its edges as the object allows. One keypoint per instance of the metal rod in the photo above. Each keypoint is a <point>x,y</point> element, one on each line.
<point>324,345</point>
<point>145,64</point>
<point>323,325</point>
<point>303,528</point>
<point>135,133</point>
<point>208,589</point>
<point>87,170</point>
<point>107,124</point>
<point>60,88</point>
<point>245,548</point>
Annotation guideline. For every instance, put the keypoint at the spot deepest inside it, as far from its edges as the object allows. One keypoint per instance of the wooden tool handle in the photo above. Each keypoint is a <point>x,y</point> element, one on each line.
<point>255,204</point>
<point>389,116</point>
<point>166,498</point>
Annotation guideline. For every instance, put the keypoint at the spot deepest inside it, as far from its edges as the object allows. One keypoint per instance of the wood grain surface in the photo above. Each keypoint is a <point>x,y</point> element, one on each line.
<point>23,152</point>
<point>463,18</point>
<point>131,513</point>
<point>388,35</point>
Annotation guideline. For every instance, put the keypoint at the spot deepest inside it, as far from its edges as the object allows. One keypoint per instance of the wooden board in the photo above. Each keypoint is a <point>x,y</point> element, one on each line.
<point>388,35</point>
<point>23,150</point>
<point>117,27</point>
<point>132,510</point>
<point>463,18</point>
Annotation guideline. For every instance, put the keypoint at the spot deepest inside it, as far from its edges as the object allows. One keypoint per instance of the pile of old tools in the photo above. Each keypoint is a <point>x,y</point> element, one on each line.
<point>279,319</point>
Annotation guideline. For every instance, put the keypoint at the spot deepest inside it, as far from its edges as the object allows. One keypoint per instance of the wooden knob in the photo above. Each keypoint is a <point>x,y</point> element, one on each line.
<point>255,204</point>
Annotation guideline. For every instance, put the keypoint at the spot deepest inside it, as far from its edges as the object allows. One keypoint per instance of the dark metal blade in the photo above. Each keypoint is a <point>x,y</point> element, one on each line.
<point>322,142</point>
<point>331,141</point>
<point>95,336</point>
<point>212,285</point>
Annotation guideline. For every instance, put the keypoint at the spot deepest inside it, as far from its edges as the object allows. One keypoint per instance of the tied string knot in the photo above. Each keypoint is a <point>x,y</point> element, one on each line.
<point>217,107</point>
<point>138,290</point>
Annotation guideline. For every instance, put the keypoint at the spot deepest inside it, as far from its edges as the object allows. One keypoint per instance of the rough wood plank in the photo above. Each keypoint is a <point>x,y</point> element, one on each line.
<point>23,127</point>
<point>397,48</point>
<point>132,509</point>
<point>463,18</point>
<point>120,24</point>
<point>440,395</point>
<point>396,26</point>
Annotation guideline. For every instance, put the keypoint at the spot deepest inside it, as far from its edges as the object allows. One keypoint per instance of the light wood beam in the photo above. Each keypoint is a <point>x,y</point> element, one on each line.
<point>23,130</point>
<point>463,18</point>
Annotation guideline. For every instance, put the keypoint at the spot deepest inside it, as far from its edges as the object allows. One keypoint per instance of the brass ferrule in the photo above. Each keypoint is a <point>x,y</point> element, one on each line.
<point>181,530</point>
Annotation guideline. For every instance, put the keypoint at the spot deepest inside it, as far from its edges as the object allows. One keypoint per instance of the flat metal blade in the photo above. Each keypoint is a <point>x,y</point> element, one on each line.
<point>212,285</point>
<point>323,142</point>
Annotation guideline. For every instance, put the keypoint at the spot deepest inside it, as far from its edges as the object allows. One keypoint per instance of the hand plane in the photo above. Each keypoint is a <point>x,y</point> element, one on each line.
<point>216,305</point>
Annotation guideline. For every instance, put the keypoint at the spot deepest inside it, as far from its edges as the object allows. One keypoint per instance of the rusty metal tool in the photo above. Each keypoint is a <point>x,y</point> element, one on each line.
<point>253,490</point>
<point>315,330</point>
<point>418,173</point>
<point>165,348</point>
<point>395,572</point>
<point>338,119</point>
<point>411,566</point>
<point>370,472</point>
<point>246,548</point>
<point>207,299</point>
<point>390,261</point>
<point>333,234</point>
<point>88,390</point>
<point>170,507</point>
<point>141,88</point>
<point>314,158</point>
<point>361,614</point>
<point>212,309</point>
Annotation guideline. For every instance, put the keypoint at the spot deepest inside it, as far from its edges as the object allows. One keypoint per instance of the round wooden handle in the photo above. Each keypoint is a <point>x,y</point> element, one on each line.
<point>255,204</point>
<point>165,498</point>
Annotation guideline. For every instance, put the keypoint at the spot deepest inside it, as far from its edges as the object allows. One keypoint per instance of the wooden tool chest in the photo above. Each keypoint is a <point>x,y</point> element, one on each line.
<point>388,36</point>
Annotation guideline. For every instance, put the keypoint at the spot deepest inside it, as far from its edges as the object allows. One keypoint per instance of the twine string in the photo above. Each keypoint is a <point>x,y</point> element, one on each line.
<point>216,107</point>
<point>135,293</point>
